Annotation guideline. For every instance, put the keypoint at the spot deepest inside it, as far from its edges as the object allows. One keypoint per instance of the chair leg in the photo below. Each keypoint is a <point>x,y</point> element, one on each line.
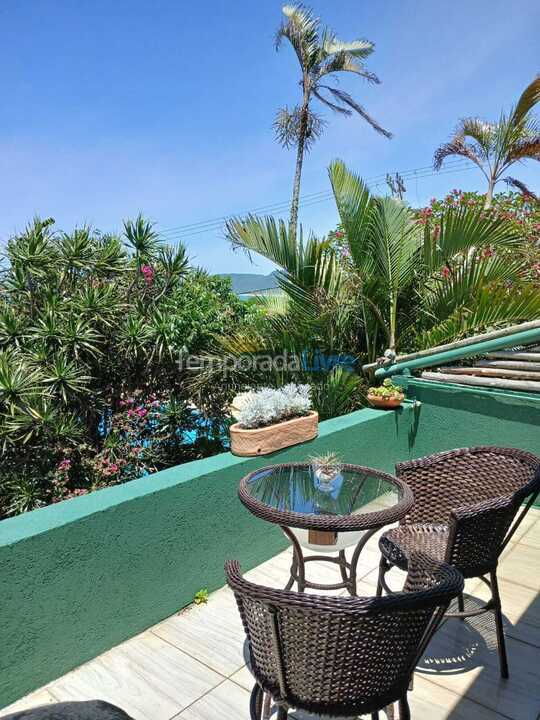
<point>461,604</point>
<point>282,713</point>
<point>404,711</point>
<point>503,660</point>
<point>383,567</point>
<point>256,702</point>
<point>375,715</point>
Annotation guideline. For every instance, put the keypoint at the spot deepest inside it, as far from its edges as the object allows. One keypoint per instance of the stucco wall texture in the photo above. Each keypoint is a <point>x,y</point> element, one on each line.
<point>79,577</point>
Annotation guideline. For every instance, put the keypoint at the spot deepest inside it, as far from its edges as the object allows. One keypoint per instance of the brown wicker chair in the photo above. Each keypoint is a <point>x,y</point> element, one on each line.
<point>341,656</point>
<point>466,509</point>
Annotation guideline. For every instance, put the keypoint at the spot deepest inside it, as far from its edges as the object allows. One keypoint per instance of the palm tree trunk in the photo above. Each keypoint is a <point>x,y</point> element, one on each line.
<point>293,221</point>
<point>489,194</point>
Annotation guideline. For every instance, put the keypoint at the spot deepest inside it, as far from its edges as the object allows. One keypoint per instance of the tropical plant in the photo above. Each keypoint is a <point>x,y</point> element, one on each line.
<point>91,330</point>
<point>422,282</point>
<point>522,211</point>
<point>495,146</point>
<point>321,56</point>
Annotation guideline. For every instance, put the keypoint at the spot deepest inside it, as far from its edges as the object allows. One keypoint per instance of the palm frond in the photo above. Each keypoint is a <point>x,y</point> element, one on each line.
<point>442,296</point>
<point>528,99</point>
<point>490,310</point>
<point>336,108</point>
<point>522,188</point>
<point>301,28</point>
<point>355,208</point>
<point>481,131</point>
<point>526,149</point>
<point>456,146</point>
<point>465,228</point>
<point>343,62</point>
<point>395,242</point>
<point>361,48</point>
<point>288,127</point>
<point>347,99</point>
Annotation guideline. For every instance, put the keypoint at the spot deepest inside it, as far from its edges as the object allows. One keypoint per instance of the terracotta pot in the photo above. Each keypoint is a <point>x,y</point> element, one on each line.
<point>265,440</point>
<point>385,403</point>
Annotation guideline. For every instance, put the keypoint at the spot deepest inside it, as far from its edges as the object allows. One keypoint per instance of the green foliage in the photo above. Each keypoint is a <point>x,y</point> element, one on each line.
<point>201,597</point>
<point>387,390</point>
<point>91,329</point>
<point>426,277</point>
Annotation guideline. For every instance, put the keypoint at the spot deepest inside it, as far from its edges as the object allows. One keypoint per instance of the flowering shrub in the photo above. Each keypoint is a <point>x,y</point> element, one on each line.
<point>521,211</point>
<point>266,406</point>
<point>91,329</point>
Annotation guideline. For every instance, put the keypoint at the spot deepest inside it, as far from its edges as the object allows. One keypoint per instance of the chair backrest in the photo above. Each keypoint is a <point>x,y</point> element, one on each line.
<point>342,656</point>
<point>446,481</point>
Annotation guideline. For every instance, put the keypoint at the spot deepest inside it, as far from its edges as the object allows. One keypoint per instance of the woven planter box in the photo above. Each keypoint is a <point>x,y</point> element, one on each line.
<point>385,403</point>
<point>266,440</point>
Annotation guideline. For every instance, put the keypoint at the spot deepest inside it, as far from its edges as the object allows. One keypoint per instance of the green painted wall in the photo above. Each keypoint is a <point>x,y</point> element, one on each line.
<point>452,416</point>
<point>79,577</point>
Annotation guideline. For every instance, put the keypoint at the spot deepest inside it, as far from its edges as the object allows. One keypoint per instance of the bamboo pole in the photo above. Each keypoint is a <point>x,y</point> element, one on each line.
<point>491,335</point>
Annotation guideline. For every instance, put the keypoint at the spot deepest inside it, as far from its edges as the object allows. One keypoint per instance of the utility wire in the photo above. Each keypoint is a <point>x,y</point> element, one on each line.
<point>216,224</point>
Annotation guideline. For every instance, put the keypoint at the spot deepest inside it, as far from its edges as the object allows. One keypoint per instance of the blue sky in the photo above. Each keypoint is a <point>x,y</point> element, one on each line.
<point>166,107</point>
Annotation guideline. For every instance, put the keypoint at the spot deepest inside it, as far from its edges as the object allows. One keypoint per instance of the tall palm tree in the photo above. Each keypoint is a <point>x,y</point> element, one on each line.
<point>321,56</point>
<point>495,146</point>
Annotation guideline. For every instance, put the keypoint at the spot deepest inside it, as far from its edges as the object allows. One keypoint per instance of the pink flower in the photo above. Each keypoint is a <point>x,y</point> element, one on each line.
<point>141,412</point>
<point>148,273</point>
<point>338,234</point>
<point>445,271</point>
<point>64,466</point>
<point>488,252</point>
<point>113,468</point>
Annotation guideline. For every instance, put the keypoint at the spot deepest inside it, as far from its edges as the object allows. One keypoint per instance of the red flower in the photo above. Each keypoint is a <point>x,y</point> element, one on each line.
<point>445,271</point>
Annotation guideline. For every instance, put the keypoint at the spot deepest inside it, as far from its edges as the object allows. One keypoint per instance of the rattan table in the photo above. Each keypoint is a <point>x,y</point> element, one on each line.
<point>325,516</point>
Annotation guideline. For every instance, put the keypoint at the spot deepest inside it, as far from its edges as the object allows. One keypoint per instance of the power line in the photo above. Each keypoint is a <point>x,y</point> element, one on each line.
<point>215,224</point>
<point>275,207</point>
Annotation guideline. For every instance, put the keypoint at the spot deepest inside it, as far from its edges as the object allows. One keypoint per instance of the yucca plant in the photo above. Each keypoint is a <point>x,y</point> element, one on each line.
<point>85,319</point>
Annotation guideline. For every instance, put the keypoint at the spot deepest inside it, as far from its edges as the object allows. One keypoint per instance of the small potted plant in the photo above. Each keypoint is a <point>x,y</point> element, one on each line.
<point>386,396</point>
<point>270,419</point>
<point>327,471</point>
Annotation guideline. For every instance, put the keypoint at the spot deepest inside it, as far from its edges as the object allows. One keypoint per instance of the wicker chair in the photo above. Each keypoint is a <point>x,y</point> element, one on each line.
<point>340,656</point>
<point>466,505</point>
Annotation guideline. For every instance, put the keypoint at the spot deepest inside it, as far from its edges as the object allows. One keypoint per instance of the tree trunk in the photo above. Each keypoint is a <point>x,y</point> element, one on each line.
<point>293,221</point>
<point>489,194</point>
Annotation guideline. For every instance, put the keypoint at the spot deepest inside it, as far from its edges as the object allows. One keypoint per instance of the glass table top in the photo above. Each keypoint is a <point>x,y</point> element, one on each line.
<point>304,490</point>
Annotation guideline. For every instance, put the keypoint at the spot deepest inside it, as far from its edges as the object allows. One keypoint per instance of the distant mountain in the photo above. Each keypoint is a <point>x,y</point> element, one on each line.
<point>249,282</point>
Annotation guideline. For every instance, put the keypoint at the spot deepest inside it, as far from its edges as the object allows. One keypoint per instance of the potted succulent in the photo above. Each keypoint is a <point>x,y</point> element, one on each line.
<point>387,395</point>
<point>270,419</point>
<point>327,471</point>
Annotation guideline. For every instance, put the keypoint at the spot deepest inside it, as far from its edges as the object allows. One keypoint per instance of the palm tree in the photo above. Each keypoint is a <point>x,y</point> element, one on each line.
<point>403,286</point>
<point>495,146</point>
<point>458,278</point>
<point>321,56</point>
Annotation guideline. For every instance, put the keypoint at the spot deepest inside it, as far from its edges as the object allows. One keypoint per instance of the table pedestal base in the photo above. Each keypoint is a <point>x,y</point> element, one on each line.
<point>347,569</point>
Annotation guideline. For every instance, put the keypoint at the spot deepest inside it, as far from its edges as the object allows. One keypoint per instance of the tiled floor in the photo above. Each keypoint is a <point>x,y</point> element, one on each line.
<point>191,666</point>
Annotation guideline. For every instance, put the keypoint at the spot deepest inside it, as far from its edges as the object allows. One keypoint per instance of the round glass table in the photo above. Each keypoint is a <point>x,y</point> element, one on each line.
<point>325,514</point>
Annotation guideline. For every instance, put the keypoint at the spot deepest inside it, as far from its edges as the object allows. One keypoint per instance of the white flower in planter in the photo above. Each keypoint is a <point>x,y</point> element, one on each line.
<point>267,406</point>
